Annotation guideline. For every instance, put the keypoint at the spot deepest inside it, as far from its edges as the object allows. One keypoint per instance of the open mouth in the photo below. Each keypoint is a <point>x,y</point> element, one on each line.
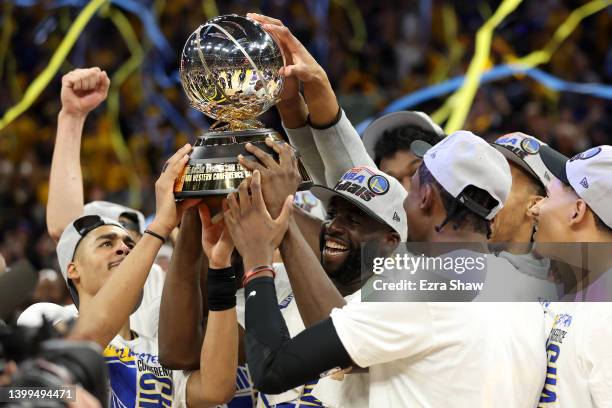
<point>334,247</point>
<point>114,264</point>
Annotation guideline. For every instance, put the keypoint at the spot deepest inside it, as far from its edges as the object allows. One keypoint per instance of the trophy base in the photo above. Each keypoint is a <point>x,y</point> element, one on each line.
<point>213,167</point>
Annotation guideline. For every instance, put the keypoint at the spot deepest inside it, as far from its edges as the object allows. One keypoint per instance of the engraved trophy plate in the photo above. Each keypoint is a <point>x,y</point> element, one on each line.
<point>229,72</point>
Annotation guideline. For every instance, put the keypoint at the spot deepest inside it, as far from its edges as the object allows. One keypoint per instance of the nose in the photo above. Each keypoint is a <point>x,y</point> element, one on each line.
<point>123,249</point>
<point>335,226</point>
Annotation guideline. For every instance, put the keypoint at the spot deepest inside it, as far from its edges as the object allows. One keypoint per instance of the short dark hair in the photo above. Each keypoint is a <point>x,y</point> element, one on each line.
<point>457,213</point>
<point>394,140</point>
<point>601,226</point>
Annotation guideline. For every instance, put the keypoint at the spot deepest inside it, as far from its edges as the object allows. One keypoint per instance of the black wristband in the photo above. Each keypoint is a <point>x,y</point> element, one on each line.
<point>156,235</point>
<point>221,287</point>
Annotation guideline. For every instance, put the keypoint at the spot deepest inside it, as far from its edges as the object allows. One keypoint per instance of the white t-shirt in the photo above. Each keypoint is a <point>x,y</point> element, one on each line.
<point>145,319</point>
<point>579,350</point>
<point>136,378</point>
<point>446,354</point>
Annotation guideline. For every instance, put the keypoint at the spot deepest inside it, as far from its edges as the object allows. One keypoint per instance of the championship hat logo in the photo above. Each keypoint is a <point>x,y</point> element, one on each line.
<point>530,145</point>
<point>378,184</point>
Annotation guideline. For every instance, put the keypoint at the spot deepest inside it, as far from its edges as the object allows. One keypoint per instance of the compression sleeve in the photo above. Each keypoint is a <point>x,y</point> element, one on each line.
<point>277,362</point>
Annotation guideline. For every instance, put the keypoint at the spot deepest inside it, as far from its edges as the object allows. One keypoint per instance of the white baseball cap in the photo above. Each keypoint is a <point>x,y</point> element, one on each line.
<point>70,239</point>
<point>463,159</point>
<point>374,192</point>
<point>589,174</point>
<point>395,120</point>
<point>524,151</point>
<point>114,211</point>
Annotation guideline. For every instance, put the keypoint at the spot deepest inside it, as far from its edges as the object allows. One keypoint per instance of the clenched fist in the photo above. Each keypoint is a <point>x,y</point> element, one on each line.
<point>83,90</point>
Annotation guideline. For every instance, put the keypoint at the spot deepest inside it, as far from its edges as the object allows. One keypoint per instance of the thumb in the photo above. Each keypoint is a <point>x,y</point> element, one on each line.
<point>283,218</point>
<point>204,215</point>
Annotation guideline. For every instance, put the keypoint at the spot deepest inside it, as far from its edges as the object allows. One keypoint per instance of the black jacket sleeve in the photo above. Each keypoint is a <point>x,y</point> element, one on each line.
<point>277,362</point>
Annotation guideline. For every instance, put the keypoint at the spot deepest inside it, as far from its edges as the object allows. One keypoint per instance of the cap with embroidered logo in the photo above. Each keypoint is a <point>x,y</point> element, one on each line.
<point>588,173</point>
<point>463,159</point>
<point>116,211</point>
<point>526,152</point>
<point>374,192</point>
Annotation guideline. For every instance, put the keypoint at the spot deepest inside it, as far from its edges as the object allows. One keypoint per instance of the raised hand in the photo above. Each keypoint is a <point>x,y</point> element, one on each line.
<point>278,179</point>
<point>254,232</point>
<point>168,212</point>
<point>216,240</point>
<point>83,90</point>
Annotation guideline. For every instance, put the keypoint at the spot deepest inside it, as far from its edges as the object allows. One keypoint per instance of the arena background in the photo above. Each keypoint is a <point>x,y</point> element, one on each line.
<point>545,68</point>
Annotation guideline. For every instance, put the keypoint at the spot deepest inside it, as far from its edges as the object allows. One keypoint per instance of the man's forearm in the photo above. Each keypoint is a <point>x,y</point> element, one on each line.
<point>315,294</point>
<point>180,340</point>
<point>321,100</point>
<point>66,201</point>
<point>310,227</point>
<point>102,317</point>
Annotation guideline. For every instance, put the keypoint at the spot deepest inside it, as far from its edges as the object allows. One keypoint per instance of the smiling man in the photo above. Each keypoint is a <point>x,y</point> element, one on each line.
<point>577,210</point>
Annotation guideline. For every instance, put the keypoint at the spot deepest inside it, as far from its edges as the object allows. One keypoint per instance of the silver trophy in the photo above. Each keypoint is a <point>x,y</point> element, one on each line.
<point>229,72</point>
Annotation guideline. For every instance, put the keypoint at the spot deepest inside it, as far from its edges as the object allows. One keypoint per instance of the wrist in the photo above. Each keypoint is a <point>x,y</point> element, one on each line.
<point>160,228</point>
<point>214,264</point>
<point>72,115</point>
<point>252,262</point>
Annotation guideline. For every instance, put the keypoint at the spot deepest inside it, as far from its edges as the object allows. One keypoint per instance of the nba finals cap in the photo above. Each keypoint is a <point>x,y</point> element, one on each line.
<point>588,173</point>
<point>70,239</point>
<point>395,120</point>
<point>374,192</point>
<point>114,211</point>
<point>463,159</point>
<point>524,151</point>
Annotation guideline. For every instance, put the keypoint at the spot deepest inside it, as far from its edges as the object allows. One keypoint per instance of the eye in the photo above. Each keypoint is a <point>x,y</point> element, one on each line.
<point>107,244</point>
<point>354,220</point>
<point>330,214</point>
<point>130,245</point>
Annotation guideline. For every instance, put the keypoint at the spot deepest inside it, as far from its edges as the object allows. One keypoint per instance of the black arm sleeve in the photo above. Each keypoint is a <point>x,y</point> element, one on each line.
<point>277,362</point>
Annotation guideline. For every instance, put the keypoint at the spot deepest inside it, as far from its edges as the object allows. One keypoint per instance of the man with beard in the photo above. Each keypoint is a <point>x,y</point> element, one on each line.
<point>418,353</point>
<point>354,218</point>
<point>574,225</point>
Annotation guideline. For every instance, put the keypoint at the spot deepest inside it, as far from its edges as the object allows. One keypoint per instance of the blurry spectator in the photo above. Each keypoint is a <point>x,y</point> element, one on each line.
<point>51,288</point>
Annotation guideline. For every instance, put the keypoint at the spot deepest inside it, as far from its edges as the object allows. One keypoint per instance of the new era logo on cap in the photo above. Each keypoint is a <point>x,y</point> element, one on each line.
<point>374,192</point>
<point>588,173</point>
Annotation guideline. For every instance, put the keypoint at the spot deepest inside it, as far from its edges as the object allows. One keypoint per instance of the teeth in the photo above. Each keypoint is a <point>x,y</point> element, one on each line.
<point>335,245</point>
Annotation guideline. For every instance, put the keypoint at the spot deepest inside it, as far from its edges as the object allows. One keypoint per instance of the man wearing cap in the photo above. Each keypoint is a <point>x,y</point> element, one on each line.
<point>105,270</point>
<point>577,210</point>
<point>418,353</point>
<point>355,217</point>
<point>82,91</point>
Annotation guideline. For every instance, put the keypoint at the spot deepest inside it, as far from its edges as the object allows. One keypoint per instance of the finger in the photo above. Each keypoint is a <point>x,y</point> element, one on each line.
<point>285,36</point>
<point>243,193</point>
<point>175,168</point>
<point>264,19</point>
<point>187,204</point>
<point>283,219</point>
<point>103,81</point>
<point>233,207</point>
<point>262,156</point>
<point>77,83</point>
<point>204,215</point>
<point>250,165</point>
<point>178,155</point>
<point>258,201</point>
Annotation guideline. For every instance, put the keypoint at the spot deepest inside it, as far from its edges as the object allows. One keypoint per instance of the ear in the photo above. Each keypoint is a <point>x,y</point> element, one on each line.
<point>426,198</point>
<point>73,273</point>
<point>531,209</point>
<point>578,212</point>
<point>392,239</point>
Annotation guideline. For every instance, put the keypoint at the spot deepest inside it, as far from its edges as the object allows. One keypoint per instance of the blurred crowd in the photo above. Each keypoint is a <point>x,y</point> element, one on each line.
<point>374,52</point>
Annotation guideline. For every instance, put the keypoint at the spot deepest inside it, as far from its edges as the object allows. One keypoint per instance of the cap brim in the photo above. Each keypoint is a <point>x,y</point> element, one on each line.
<point>516,159</point>
<point>555,162</point>
<point>394,120</point>
<point>419,148</point>
<point>325,194</point>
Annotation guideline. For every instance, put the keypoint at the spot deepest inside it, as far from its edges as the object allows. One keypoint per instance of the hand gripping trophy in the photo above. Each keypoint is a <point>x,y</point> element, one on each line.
<point>229,71</point>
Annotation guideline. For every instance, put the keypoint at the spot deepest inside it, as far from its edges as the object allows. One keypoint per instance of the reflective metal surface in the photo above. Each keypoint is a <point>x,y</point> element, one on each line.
<point>229,70</point>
